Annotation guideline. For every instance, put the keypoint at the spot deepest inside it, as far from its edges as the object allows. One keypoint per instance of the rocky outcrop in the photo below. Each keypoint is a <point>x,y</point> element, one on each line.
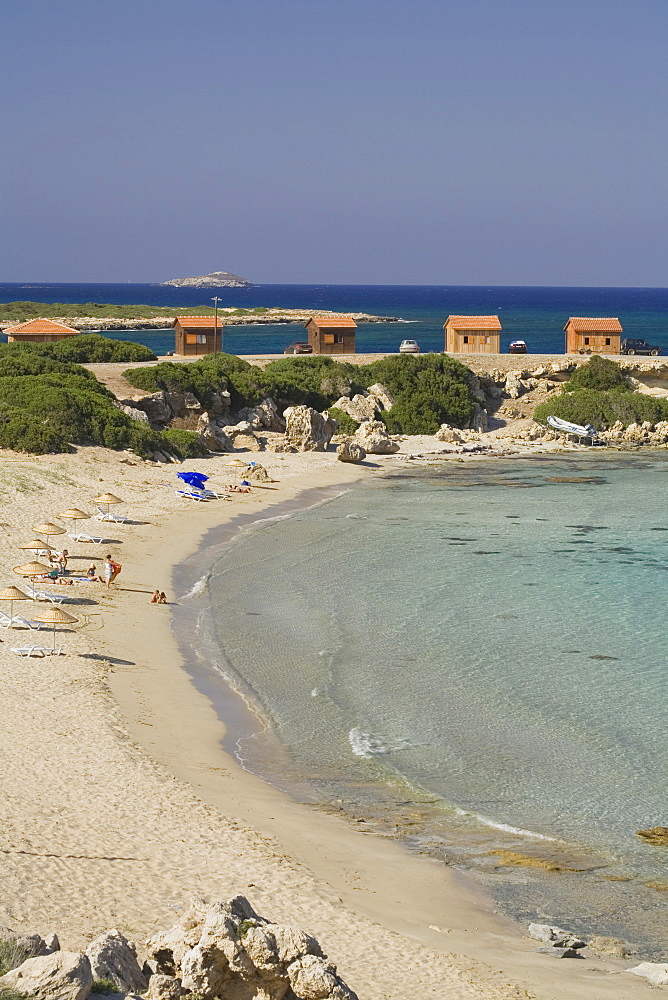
<point>212,435</point>
<point>264,416</point>
<point>306,429</point>
<point>556,937</point>
<point>655,835</point>
<point>227,950</point>
<point>216,279</point>
<point>373,437</point>
<point>653,972</point>
<point>257,472</point>
<point>350,451</point>
<point>164,988</point>
<point>382,395</point>
<point>242,437</point>
<point>63,975</point>
<point>360,407</point>
<point>111,956</point>
<point>132,411</point>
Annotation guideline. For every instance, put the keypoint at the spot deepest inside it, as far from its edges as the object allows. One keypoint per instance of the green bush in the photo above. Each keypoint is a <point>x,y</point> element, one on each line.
<point>315,381</point>
<point>212,373</point>
<point>346,423</point>
<point>598,373</point>
<point>429,390</point>
<point>12,955</point>
<point>86,348</point>
<point>603,408</point>
<point>185,444</point>
<point>104,986</point>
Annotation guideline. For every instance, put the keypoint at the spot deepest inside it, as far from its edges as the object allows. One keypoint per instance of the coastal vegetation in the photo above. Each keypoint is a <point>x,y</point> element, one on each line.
<point>46,405</point>
<point>18,312</point>
<point>429,389</point>
<point>597,393</point>
<point>86,348</point>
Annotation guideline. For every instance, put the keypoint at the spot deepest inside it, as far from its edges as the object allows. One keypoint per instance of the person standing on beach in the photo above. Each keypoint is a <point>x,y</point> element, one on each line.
<point>109,570</point>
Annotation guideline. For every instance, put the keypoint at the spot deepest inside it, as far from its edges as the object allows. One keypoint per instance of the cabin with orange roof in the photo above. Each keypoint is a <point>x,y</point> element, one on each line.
<point>39,331</point>
<point>332,334</point>
<point>197,335</point>
<point>592,335</point>
<point>472,334</point>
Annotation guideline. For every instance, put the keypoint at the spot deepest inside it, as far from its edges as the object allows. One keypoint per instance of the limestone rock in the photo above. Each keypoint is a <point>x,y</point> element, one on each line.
<point>655,835</point>
<point>132,411</point>
<point>225,949</point>
<point>350,451</point>
<point>375,440</point>
<point>213,436</point>
<point>558,952</point>
<point>64,975</point>
<point>51,943</point>
<point>264,416</point>
<point>156,408</point>
<point>383,395</point>
<point>479,420</point>
<point>26,945</point>
<point>306,429</point>
<point>555,936</point>
<point>613,947</point>
<point>112,956</point>
<point>654,972</point>
<point>360,407</point>
<point>312,978</point>
<point>514,387</point>
<point>257,472</point>
<point>220,402</point>
<point>164,988</point>
<point>448,434</point>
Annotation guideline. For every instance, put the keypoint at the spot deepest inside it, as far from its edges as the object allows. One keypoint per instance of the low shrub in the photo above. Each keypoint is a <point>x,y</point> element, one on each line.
<point>347,425</point>
<point>12,955</point>
<point>603,408</point>
<point>598,373</point>
<point>86,348</point>
<point>104,986</point>
<point>185,444</point>
<point>429,390</point>
<point>213,373</point>
<point>315,381</point>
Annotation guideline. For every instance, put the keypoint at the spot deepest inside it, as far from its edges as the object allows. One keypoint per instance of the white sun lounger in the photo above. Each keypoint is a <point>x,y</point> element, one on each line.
<point>36,650</point>
<point>18,621</point>
<point>106,515</point>
<point>44,595</point>
<point>191,495</point>
<point>82,536</point>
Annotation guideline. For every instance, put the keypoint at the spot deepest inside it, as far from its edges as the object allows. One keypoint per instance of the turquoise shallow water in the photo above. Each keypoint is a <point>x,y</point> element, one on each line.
<point>474,658</point>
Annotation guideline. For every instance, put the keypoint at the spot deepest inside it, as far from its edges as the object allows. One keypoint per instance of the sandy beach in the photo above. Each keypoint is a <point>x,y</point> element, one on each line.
<point>120,801</point>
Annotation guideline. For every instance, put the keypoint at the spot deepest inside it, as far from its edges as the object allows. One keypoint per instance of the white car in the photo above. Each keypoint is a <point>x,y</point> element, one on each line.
<point>409,347</point>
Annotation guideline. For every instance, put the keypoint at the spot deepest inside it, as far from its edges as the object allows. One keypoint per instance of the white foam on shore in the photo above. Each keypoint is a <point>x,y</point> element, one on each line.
<point>505,827</point>
<point>365,745</point>
<point>196,589</point>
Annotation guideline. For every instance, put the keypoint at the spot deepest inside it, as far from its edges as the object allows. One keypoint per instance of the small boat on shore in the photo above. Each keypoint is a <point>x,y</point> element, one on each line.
<point>578,430</point>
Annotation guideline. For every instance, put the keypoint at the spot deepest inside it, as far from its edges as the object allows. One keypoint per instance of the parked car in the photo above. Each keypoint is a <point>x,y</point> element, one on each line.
<point>298,349</point>
<point>409,347</point>
<point>517,347</point>
<point>636,345</point>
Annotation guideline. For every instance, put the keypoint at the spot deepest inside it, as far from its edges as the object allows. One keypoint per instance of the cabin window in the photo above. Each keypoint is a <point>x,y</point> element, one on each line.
<point>201,338</point>
<point>191,338</point>
<point>466,340</point>
<point>607,341</point>
<point>487,340</point>
<point>586,340</point>
<point>329,338</point>
<point>333,338</point>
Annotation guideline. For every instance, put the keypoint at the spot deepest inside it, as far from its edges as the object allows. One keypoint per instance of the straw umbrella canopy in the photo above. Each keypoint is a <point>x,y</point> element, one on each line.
<point>31,570</point>
<point>36,546</point>
<point>236,463</point>
<point>108,498</point>
<point>12,594</point>
<point>54,616</point>
<point>48,529</point>
<point>74,514</point>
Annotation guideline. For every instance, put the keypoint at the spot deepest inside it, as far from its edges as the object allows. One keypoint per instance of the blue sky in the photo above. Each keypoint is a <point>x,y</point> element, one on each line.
<point>336,141</point>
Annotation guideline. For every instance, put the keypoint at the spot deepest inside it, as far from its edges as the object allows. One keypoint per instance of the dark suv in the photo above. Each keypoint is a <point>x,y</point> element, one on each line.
<point>635,345</point>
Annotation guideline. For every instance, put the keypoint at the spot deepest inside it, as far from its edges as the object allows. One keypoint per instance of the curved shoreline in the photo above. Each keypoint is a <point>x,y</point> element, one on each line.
<point>414,896</point>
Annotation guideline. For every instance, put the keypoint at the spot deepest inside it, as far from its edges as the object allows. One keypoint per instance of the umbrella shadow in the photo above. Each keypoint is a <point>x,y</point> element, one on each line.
<point>108,659</point>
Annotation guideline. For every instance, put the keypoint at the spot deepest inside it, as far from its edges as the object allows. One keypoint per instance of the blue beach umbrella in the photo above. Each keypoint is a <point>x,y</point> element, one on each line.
<point>194,479</point>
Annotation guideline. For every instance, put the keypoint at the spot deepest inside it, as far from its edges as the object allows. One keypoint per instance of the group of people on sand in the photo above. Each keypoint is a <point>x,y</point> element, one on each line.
<point>158,597</point>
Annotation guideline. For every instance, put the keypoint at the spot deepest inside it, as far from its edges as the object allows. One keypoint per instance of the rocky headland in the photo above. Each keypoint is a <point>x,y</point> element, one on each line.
<point>162,319</point>
<point>216,279</point>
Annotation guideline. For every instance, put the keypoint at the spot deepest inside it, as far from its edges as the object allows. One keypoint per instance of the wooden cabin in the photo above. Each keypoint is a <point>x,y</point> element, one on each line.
<point>591,335</point>
<point>332,334</point>
<point>197,335</point>
<point>39,331</point>
<point>472,334</point>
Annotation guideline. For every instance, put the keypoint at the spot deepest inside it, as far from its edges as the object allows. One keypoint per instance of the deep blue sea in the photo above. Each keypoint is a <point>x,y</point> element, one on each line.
<point>534,314</point>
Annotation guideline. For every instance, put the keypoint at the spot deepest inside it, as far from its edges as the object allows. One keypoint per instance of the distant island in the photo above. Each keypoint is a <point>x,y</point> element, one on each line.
<point>217,279</point>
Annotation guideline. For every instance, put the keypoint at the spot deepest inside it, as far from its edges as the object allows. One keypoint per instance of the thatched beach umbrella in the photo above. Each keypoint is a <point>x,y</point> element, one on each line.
<point>12,594</point>
<point>48,529</point>
<point>36,546</point>
<point>108,498</point>
<point>54,616</point>
<point>236,463</point>
<point>32,570</point>
<point>74,514</point>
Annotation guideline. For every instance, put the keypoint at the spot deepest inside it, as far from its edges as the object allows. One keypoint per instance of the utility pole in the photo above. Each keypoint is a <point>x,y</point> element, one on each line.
<point>216,300</point>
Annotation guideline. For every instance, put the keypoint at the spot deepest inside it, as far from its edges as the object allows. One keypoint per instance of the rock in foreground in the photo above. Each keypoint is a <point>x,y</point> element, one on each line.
<point>64,975</point>
<point>225,950</point>
<point>653,972</point>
